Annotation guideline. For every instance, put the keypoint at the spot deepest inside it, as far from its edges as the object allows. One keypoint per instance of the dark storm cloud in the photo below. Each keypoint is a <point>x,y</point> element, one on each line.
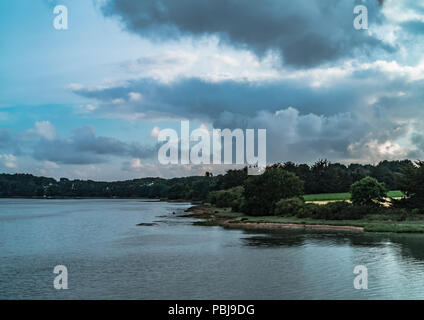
<point>304,32</point>
<point>197,98</point>
<point>84,147</point>
<point>232,103</point>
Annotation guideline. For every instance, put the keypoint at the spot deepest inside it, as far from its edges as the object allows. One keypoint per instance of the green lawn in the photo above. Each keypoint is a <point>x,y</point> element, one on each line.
<point>343,196</point>
<point>395,194</point>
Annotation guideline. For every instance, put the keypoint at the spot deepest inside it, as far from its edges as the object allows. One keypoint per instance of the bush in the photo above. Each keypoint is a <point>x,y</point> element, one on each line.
<point>416,211</point>
<point>238,204</point>
<point>354,212</point>
<point>289,207</point>
<point>309,210</point>
<point>225,198</point>
<point>339,210</point>
<point>263,191</point>
<point>367,192</point>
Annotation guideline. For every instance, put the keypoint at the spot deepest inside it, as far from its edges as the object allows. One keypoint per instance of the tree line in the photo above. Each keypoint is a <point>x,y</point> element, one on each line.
<point>321,177</point>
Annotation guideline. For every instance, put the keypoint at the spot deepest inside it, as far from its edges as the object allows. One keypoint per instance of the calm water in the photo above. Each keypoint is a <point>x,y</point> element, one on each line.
<point>109,257</point>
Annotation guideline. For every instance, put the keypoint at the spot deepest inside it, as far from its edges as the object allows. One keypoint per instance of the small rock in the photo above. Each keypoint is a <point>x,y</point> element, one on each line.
<point>147,224</point>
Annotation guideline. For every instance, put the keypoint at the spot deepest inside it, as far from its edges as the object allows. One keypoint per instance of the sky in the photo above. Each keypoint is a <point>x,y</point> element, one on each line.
<point>88,102</point>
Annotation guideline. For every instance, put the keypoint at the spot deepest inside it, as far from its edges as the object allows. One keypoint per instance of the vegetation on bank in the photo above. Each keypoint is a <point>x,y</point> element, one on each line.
<point>372,222</point>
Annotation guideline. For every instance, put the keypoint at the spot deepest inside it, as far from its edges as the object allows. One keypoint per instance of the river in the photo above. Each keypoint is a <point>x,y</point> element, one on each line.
<point>109,257</point>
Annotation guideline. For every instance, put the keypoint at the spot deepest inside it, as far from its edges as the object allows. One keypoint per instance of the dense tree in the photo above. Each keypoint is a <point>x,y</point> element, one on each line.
<point>368,192</point>
<point>232,178</point>
<point>390,172</point>
<point>412,184</point>
<point>262,192</point>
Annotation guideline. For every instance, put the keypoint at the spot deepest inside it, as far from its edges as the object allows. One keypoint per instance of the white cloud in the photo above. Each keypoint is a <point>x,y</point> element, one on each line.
<point>207,59</point>
<point>394,70</point>
<point>373,151</point>
<point>75,86</point>
<point>51,165</point>
<point>118,101</point>
<point>398,12</point>
<point>135,96</point>
<point>155,132</point>
<point>9,161</point>
<point>136,164</point>
<point>45,129</point>
<point>88,108</point>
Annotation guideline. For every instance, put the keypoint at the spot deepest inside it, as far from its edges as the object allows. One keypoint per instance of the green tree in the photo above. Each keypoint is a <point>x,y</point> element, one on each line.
<point>412,184</point>
<point>262,192</point>
<point>368,191</point>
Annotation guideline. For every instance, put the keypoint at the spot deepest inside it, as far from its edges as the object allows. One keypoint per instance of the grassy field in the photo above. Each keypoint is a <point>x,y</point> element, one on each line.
<point>343,196</point>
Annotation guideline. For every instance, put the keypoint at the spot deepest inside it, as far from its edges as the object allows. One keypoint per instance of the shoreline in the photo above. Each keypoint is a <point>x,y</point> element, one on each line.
<point>224,217</point>
<point>276,225</point>
<point>101,198</point>
<point>203,212</point>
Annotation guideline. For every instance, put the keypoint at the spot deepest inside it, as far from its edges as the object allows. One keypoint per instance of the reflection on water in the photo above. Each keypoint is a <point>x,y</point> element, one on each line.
<point>409,245</point>
<point>108,256</point>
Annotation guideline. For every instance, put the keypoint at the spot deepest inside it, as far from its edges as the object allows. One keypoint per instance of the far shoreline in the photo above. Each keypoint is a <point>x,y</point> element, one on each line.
<point>100,198</point>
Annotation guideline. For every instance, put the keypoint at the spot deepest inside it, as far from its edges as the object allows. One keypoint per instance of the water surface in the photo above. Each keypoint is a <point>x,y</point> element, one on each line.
<point>109,257</point>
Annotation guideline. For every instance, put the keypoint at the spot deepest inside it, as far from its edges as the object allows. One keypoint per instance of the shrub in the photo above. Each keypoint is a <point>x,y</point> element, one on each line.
<point>339,210</point>
<point>353,212</point>
<point>225,198</point>
<point>367,192</point>
<point>416,211</point>
<point>344,210</point>
<point>263,191</point>
<point>309,210</point>
<point>289,207</point>
<point>238,204</point>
